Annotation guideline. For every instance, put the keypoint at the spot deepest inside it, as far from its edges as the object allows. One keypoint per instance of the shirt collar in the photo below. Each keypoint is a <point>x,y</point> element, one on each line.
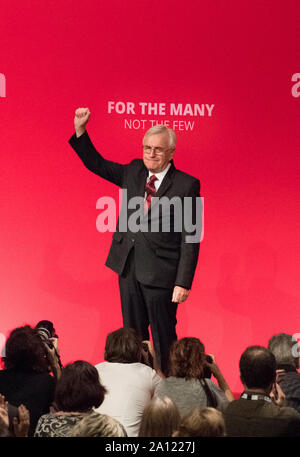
<point>160,176</point>
<point>256,396</point>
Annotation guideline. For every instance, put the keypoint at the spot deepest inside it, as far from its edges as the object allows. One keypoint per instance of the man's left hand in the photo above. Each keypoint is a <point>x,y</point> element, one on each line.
<point>179,294</point>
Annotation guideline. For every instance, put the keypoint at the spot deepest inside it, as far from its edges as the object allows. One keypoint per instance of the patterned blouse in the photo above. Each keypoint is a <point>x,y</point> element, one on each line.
<point>57,425</point>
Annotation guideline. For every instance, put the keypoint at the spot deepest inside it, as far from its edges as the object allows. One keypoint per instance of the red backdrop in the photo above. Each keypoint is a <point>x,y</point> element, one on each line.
<point>238,58</point>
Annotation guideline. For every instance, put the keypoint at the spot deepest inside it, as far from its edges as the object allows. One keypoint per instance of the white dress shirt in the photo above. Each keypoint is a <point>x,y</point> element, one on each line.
<point>160,176</point>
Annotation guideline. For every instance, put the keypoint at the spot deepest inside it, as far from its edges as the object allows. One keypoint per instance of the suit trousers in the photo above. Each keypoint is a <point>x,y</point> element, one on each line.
<point>144,305</point>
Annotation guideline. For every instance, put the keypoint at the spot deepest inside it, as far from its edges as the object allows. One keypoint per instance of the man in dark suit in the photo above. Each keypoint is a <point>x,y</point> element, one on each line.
<point>261,410</point>
<point>156,254</point>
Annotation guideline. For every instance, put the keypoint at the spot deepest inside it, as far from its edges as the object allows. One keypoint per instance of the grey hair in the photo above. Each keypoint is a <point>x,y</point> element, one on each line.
<point>163,129</point>
<point>160,418</point>
<point>281,346</point>
<point>201,422</point>
<point>98,425</point>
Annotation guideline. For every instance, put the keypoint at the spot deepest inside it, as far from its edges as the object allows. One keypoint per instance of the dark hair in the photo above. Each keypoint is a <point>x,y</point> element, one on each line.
<point>79,388</point>
<point>123,346</point>
<point>25,351</point>
<point>257,367</point>
<point>187,357</point>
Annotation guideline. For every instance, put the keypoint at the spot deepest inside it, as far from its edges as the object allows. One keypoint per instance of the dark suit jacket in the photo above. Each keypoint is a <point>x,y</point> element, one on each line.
<point>248,418</point>
<point>162,259</point>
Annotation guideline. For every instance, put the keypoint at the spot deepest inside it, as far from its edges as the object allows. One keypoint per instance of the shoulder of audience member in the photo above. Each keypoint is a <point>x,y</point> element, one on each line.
<point>149,371</point>
<point>275,410</point>
<point>42,420</point>
<point>137,367</point>
<point>46,417</point>
<point>288,411</point>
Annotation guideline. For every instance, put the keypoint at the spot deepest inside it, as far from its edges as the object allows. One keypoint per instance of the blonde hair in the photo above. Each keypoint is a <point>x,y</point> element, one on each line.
<point>163,129</point>
<point>160,418</point>
<point>98,425</point>
<point>206,422</point>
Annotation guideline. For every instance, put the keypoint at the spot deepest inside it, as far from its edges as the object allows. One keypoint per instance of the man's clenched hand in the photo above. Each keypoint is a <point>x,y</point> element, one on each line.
<point>82,116</point>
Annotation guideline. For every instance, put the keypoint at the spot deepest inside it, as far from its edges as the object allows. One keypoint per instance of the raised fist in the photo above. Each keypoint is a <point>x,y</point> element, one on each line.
<point>82,116</point>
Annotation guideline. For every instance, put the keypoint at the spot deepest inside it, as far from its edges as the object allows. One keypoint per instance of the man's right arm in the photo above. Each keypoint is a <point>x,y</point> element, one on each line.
<point>84,148</point>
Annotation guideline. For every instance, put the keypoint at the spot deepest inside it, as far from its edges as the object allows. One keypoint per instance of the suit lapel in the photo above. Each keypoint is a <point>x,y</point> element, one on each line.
<point>167,181</point>
<point>141,179</point>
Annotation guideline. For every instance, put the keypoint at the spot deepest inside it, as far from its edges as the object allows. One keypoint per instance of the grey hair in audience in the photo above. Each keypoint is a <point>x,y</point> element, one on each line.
<point>205,422</point>
<point>160,418</point>
<point>281,345</point>
<point>98,425</point>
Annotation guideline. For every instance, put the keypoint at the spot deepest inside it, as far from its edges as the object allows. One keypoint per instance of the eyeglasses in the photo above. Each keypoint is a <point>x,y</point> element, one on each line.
<point>157,149</point>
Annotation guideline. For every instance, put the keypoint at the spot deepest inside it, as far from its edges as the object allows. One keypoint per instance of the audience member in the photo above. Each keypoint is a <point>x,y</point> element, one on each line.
<point>98,425</point>
<point>257,412</point>
<point>160,418</point>
<point>46,332</point>
<point>130,384</point>
<point>186,384</point>
<point>78,391</point>
<point>25,379</point>
<point>206,422</point>
<point>14,422</point>
<point>128,395</point>
<point>286,352</point>
<point>4,420</point>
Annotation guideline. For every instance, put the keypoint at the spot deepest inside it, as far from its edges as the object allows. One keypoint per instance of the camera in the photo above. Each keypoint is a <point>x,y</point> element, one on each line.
<point>208,358</point>
<point>149,359</point>
<point>206,370</point>
<point>46,331</point>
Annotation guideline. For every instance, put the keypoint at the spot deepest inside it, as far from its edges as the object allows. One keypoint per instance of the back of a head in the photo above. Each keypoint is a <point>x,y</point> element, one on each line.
<point>98,425</point>
<point>187,358</point>
<point>206,422</point>
<point>257,367</point>
<point>79,388</point>
<point>123,346</point>
<point>24,351</point>
<point>282,346</point>
<point>160,418</point>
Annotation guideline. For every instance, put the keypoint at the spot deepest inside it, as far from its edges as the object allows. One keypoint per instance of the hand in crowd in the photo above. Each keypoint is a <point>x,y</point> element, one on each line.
<point>52,352</point>
<point>280,374</point>
<point>219,377</point>
<point>145,354</point>
<point>52,356</point>
<point>4,411</point>
<point>213,366</point>
<point>150,349</point>
<point>21,426</point>
<point>277,395</point>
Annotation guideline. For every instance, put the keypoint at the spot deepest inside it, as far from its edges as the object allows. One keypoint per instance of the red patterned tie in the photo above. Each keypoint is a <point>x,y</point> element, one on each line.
<point>150,192</point>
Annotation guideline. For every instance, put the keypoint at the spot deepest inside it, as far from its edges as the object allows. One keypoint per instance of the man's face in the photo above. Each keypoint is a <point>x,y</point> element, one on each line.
<point>156,152</point>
